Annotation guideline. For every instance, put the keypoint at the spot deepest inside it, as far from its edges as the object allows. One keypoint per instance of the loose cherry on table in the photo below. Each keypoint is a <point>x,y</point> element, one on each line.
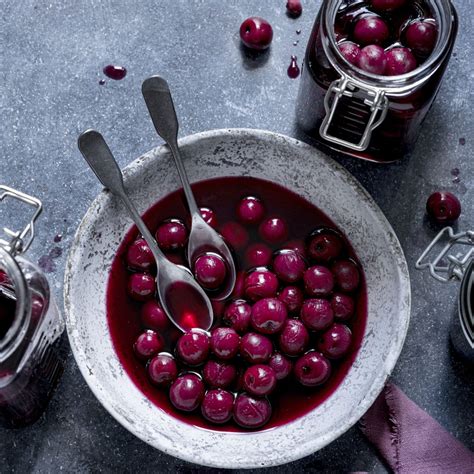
<point>443,207</point>
<point>256,33</point>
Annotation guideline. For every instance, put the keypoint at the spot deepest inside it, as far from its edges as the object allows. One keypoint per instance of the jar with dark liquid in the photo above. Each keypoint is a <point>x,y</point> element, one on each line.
<point>31,354</point>
<point>371,116</point>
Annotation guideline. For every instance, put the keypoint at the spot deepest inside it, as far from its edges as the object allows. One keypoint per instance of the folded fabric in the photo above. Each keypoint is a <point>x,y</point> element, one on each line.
<point>410,440</point>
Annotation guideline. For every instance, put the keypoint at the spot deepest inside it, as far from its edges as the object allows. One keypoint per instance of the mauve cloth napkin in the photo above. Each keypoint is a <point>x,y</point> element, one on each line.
<point>410,441</point>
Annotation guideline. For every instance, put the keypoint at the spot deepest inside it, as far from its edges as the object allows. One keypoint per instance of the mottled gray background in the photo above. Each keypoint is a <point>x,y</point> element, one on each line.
<point>52,54</point>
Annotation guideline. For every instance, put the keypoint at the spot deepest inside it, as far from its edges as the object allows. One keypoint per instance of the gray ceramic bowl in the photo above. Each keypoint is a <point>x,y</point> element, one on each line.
<point>313,175</point>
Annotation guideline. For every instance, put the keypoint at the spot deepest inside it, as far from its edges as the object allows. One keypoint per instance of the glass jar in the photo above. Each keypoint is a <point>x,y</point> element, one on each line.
<point>31,349</point>
<point>450,257</point>
<point>357,113</point>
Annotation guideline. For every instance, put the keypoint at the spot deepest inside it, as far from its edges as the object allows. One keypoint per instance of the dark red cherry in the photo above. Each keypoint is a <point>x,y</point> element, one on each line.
<point>273,230</point>
<point>256,33</point>
<point>335,342</point>
<point>237,315</point>
<point>350,51</point>
<point>372,59</point>
<point>209,216</point>
<point>289,266</point>
<point>292,297</point>
<point>443,207</point>
<point>210,271</point>
<point>294,337</point>
<point>421,36</point>
<point>225,343</point>
<point>148,344</point>
<point>259,380</point>
<point>153,316</point>
<point>258,255</point>
<point>346,275</point>
<point>343,306</point>
<point>239,287</point>
<point>186,392</point>
<point>317,314</point>
<point>172,235</point>
<point>260,283</point>
<point>250,210</point>
<point>318,281</point>
<point>255,348</point>
<point>371,29</point>
<point>281,365</point>
<point>399,61</point>
<point>219,373</point>
<point>250,412</point>
<point>312,369</point>
<point>268,315</point>
<point>162,370</point>
<point>294,8</point>
<point>193,347</point>
<point>217,406</point>
<point>139,256</point>
<point>141,286</point>
<point>325,245</point>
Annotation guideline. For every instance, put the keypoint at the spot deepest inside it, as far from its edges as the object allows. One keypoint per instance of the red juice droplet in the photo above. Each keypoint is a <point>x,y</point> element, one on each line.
<point>116,73</point>
<point>293,69</point>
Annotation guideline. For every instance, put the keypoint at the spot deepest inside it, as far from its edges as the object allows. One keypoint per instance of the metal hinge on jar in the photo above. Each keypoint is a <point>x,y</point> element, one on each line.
<point>455,261</point>
<point>353,114</point>
<point>19,241</point>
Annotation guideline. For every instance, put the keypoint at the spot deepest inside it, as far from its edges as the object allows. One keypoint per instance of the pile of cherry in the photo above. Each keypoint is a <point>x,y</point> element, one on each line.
<point>385,37</point>
<point>286,318</point>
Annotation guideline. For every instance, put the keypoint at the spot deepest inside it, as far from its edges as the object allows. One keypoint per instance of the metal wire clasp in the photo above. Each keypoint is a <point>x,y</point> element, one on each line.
<point>444,266</point>
<point>372,100</point>
<point>20,241</point>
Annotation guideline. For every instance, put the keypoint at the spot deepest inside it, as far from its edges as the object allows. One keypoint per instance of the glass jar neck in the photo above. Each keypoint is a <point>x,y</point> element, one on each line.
<point>446,18</point>
<point>18,289</point>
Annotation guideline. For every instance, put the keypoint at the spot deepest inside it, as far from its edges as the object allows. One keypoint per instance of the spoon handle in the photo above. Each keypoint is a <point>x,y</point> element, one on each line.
<point>157,95</point>
<point>100,159</point>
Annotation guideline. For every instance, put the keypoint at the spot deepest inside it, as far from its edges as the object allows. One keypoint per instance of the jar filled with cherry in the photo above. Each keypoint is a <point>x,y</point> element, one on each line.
<point>284,339</point>
<point>371,72</point>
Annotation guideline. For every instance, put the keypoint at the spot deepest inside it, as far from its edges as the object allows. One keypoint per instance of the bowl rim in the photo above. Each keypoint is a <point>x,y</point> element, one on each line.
<point>379,381</point>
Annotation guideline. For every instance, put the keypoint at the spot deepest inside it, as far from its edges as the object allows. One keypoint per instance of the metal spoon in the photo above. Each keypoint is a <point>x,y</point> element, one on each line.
<point>202,238</point>
<point>178,291</point>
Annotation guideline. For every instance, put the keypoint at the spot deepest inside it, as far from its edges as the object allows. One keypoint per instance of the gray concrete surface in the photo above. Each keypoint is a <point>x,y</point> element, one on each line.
<point>52,54</point>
